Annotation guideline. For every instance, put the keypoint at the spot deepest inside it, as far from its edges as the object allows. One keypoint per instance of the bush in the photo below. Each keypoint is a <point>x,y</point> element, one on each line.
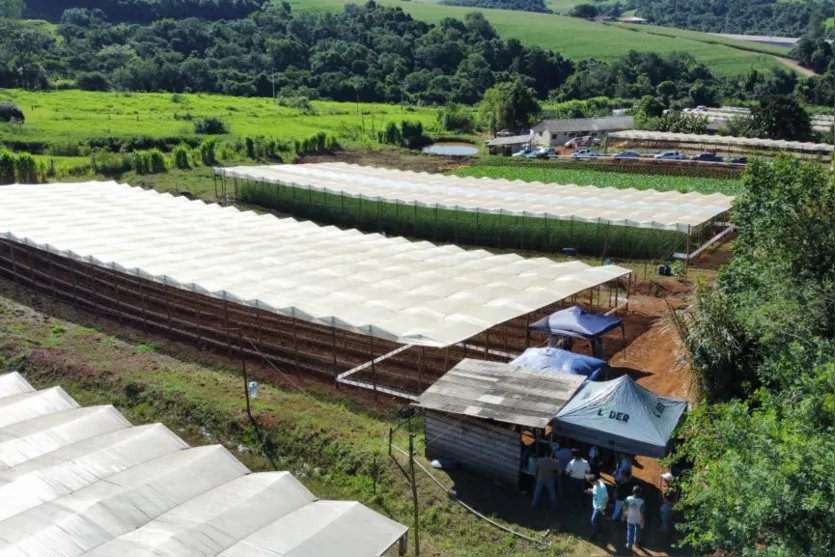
<point>583,10</point>
<point>141,162</point>
<point>7,167</point>
<point>207,151</point>
<point>210,126</point>
<point>27,170</point>
<point>456,119</point>
<point>390,135</point>
<point>250,147</point>
<point>9,112</point>
<point>93,81</point>
<point>181,157</point>
<point>110,164</point>
<point>157,162</point>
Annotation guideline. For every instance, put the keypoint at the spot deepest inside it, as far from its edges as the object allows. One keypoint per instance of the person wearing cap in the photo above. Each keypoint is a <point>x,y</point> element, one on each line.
<point>668,499</point>
<point>635,509</point>
<point>599,501</point>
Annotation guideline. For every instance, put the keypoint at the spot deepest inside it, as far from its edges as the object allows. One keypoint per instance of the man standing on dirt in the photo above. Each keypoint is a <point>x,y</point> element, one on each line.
<point>547,468</point>
<point>635,509</point>
<point>577,470</point>
<point>623,489</point>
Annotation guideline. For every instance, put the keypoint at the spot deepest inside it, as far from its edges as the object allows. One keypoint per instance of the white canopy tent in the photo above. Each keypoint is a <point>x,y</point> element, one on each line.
<point>412,293</point>
<point>142,491</point>
<point>633,208</point>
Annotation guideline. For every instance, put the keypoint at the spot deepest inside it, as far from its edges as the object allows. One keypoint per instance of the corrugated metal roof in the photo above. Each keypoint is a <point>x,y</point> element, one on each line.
<point>82,481</point>
<point>512,140</point>
<point>608,123</point>
<point>501,392</point>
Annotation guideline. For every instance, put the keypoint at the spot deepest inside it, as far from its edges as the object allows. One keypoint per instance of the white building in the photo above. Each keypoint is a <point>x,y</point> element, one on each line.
<point>553,133</point>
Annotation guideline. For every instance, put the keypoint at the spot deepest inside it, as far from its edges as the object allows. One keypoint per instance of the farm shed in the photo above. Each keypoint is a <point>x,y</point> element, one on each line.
<point>84,481</point>
<point>476,412</point>
<point>508,145</point>
<point>488,212</point>
<point>726,144</point>
<point>554,133</point>
<point>380,313</point>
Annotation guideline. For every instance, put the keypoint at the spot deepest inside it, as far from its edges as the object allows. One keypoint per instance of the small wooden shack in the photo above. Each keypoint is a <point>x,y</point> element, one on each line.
<point>478,412</point>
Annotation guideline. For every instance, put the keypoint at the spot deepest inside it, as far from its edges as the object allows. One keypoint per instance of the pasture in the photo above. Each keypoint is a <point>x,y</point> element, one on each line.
<point>578,39</point>
<point>73,117</point>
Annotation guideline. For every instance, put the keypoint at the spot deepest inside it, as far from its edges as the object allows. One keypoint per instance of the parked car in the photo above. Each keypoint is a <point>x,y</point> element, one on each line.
<point>546,153</point>
<point>670,156</point>
<point>707,157</point>
<point>584,155</point>
<point>504,133</point>
<point>739,160</point>
<point>584,141</point>
<point>627,155</point>
<point>522,153</point>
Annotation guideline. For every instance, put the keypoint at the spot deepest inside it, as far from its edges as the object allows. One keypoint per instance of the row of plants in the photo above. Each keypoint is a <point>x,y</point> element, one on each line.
<point>502,231</point>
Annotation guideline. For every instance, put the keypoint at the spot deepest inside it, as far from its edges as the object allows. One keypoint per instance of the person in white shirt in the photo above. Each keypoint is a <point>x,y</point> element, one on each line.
<point>635,510</point>
<point>576,471</point>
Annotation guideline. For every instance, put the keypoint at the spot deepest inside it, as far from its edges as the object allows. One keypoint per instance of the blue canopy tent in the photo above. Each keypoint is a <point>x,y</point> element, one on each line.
<point>622,416</point>
<point>579,323</point>
<point>561,361</point>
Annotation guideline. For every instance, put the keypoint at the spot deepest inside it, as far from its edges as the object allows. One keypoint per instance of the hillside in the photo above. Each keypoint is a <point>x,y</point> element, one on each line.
<point>578,39</point>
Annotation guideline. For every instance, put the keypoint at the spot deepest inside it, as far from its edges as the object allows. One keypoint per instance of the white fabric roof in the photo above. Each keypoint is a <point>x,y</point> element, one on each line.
<point>718,140</point>
<point>668,210</point>
<point>407,292</point>
<point>84,482</point>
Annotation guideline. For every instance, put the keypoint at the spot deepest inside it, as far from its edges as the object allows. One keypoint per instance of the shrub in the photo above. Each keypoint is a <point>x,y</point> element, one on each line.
<point>390,135</point>
<point>156,161</point>
<point>456,119</point>
<point>27,170</point>
<point>9,112</point>
<point>110,164</point>
<point>7,167</point>
<point>250,148</point>
<point>210,126</point>
<point>207,151</point>
<point>181,157</point>
<point>141,162</point>
<point>93,81</point>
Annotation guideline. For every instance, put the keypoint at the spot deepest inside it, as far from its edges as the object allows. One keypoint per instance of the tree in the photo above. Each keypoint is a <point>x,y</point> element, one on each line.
<point>510,105</point>
<point>583,10</point>
<point>667,90</point>
<point>93,81</point>
<point>12,9</point>
<point>780,117</point>
<point>10,112</point>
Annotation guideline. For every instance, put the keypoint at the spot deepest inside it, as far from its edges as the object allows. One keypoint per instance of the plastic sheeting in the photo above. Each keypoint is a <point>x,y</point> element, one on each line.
<point>622,416</point>
<point>576,322</point>
<point>14,384</point>
<point>668,210</point>
<point>561,361</point>
<point>407,292</point>
<point>755,143</point>
<point>83,482</point>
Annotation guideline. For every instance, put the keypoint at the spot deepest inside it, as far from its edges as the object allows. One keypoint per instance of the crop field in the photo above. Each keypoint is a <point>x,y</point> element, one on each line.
<point>63,117</point>
<point>487,230</point>
<point>687,34</point>
<point>585,177</point>
<point>580,39</point>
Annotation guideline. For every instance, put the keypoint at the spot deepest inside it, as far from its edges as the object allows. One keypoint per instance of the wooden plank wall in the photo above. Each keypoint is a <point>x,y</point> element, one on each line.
<point>481,447</point>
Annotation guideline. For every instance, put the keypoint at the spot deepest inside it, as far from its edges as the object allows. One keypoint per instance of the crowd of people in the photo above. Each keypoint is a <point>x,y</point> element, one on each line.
<point>567,475</point>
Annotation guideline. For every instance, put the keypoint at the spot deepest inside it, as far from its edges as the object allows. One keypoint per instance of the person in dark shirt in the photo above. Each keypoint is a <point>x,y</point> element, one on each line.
<point>623,489</point>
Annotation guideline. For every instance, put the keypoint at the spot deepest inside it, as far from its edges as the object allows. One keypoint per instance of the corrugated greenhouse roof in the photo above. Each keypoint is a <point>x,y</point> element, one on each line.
<point>407,292</point>
<point>719,140</point>
<point>604,123</point>
<point>82,481</point>
<point>668,210</point>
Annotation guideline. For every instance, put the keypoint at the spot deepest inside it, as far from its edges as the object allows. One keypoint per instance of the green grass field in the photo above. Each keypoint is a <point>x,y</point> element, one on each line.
<point>604,179</point>
<point>578,39</point>
<point>73,116</point>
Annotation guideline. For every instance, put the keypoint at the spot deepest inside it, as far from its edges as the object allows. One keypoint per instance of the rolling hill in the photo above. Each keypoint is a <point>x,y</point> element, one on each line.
<point>578,39</point>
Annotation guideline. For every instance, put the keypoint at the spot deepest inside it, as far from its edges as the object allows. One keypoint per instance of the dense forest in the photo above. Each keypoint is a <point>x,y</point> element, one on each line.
<point>145,11</point>
<point>754,17</point>
<point>520,5</point>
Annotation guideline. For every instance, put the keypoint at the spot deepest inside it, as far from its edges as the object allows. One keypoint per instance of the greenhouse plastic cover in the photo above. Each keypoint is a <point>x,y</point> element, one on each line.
<point>132,491</point>
<point>407,292</point>
<point>668,210</point>
<point>718,140</point>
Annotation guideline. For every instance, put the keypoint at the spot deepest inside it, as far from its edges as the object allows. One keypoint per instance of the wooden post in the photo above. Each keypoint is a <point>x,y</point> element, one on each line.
<point>333,347</point>
<point>414,488</point>
<point>14,262</point>
<point>373,366</point>
<point>420,369</point>
<point>226,326</point>
<point>446,359</point>
<point>687,254</point>
<point>244,374</point>
<point>167,302</point>
<point>296,346</point>
<point>144,310</point>
<point>527,331</point>
<point>199,330</point>
<point>486,344</point>
<point>51,275</point>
